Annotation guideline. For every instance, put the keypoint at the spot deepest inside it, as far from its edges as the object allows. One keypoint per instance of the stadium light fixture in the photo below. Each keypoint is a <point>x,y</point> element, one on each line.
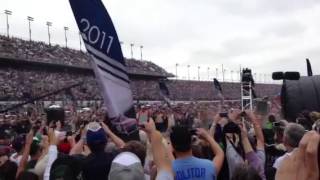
<point>65,35</point>
<point>222,70</point>
<point>8,13</point>
<point>238,72</point>
<point>188,71</point>
<point>198,73</point>
<point>177,70</point>
<point>141,51</point>
<point>265,78</point>
<point>217,73</point>
<point>131,46</point>
<point>80,37</point>
<point>231,75</point>
<point>49,24</point>
<point>30,19</point>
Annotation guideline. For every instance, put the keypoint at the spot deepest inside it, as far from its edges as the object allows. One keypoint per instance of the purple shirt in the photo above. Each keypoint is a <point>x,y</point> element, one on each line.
<point>256,160</point>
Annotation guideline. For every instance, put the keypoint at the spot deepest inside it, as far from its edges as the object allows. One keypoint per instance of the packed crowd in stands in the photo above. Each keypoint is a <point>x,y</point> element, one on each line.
<point>23,84</point>
<point>30,86</point>
<point>41,52</point>
<point>204,90</point>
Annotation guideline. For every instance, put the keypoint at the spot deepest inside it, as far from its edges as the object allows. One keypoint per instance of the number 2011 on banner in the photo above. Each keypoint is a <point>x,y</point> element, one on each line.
<point>100,35</point>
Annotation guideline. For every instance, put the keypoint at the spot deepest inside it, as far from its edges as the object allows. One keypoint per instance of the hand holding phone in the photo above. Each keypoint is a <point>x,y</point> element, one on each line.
<point>223,115</point>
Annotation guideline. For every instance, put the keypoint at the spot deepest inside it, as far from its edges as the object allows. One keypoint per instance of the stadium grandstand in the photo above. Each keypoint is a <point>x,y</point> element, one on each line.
<point>24,63</point>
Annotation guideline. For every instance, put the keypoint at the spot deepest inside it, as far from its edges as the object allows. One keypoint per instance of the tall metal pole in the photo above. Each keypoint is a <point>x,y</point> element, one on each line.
<point>260,78</point>
<point>141,52</point>
<point>188,66</point>
<point>65,35</point>
<point>49,35</point>
<point>217,73</point>
<point>7,12</point>
<point>198,73</point>
<point>29,20</point>
<point>222,73</point>
<point>238,72</point>
<point>231,75</point>
<point>80,41</point>
<point>208,73</point>
<point>177,70</point>
<point>131,45</point>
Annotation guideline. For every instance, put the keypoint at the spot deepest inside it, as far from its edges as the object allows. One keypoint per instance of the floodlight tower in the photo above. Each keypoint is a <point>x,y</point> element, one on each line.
<point>49,24</point>
<point>65,35</point>
<point>30,19</point>
<point>8,13</point>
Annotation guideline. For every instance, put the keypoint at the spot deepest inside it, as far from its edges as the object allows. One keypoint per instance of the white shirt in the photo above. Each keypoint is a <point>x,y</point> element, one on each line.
<point>52,156</point>
<point>278,162</point>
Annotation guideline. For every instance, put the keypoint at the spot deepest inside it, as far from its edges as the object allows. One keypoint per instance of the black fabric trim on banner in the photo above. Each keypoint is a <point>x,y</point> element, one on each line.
<point>113,74</point>
<point>107,63</point>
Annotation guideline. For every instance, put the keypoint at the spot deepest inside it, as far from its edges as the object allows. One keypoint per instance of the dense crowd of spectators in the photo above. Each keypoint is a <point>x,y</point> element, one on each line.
<point>145,68</point>
<point>205,90</point>
<point>22,84</point>
<point>41,52</point>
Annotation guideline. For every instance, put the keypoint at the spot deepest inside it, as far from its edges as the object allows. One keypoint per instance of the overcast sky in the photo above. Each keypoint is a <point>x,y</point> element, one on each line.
<point>265,35</point>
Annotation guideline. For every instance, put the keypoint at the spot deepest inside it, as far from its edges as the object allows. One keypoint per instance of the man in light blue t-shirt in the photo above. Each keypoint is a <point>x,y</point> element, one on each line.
<point>186,166</point>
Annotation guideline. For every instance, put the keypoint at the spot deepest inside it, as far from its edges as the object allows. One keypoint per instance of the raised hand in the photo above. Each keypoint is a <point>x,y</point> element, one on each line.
<point>149,126</point>
<point>302,164</point>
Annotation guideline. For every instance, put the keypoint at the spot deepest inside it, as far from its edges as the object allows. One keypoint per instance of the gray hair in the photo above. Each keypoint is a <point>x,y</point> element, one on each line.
<point>293,133</point>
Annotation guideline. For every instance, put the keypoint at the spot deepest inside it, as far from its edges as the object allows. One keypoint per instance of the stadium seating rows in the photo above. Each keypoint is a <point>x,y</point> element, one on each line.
<point>23,84</point>
<point>42,52</point>
<point>17,84</point>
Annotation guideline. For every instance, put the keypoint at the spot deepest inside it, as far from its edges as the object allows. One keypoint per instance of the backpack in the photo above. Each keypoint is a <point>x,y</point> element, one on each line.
<point>67,167</point>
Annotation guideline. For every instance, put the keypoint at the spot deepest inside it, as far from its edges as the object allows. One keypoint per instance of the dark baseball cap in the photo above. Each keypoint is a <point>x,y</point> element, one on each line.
<point>95,133</point>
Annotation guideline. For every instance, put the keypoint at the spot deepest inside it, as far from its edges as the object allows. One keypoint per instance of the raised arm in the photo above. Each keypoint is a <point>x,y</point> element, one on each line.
<point>117,141</point>
<point>216,149</point>
<point>160,155</point>
<point>52,152</point>
<point>26,152</point>
<point>257,129</point>
<point>245,140</point>
<point>215,121</point>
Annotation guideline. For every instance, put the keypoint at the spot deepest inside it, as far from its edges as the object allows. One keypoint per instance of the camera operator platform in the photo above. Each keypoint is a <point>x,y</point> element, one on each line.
<point>247,92</point>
